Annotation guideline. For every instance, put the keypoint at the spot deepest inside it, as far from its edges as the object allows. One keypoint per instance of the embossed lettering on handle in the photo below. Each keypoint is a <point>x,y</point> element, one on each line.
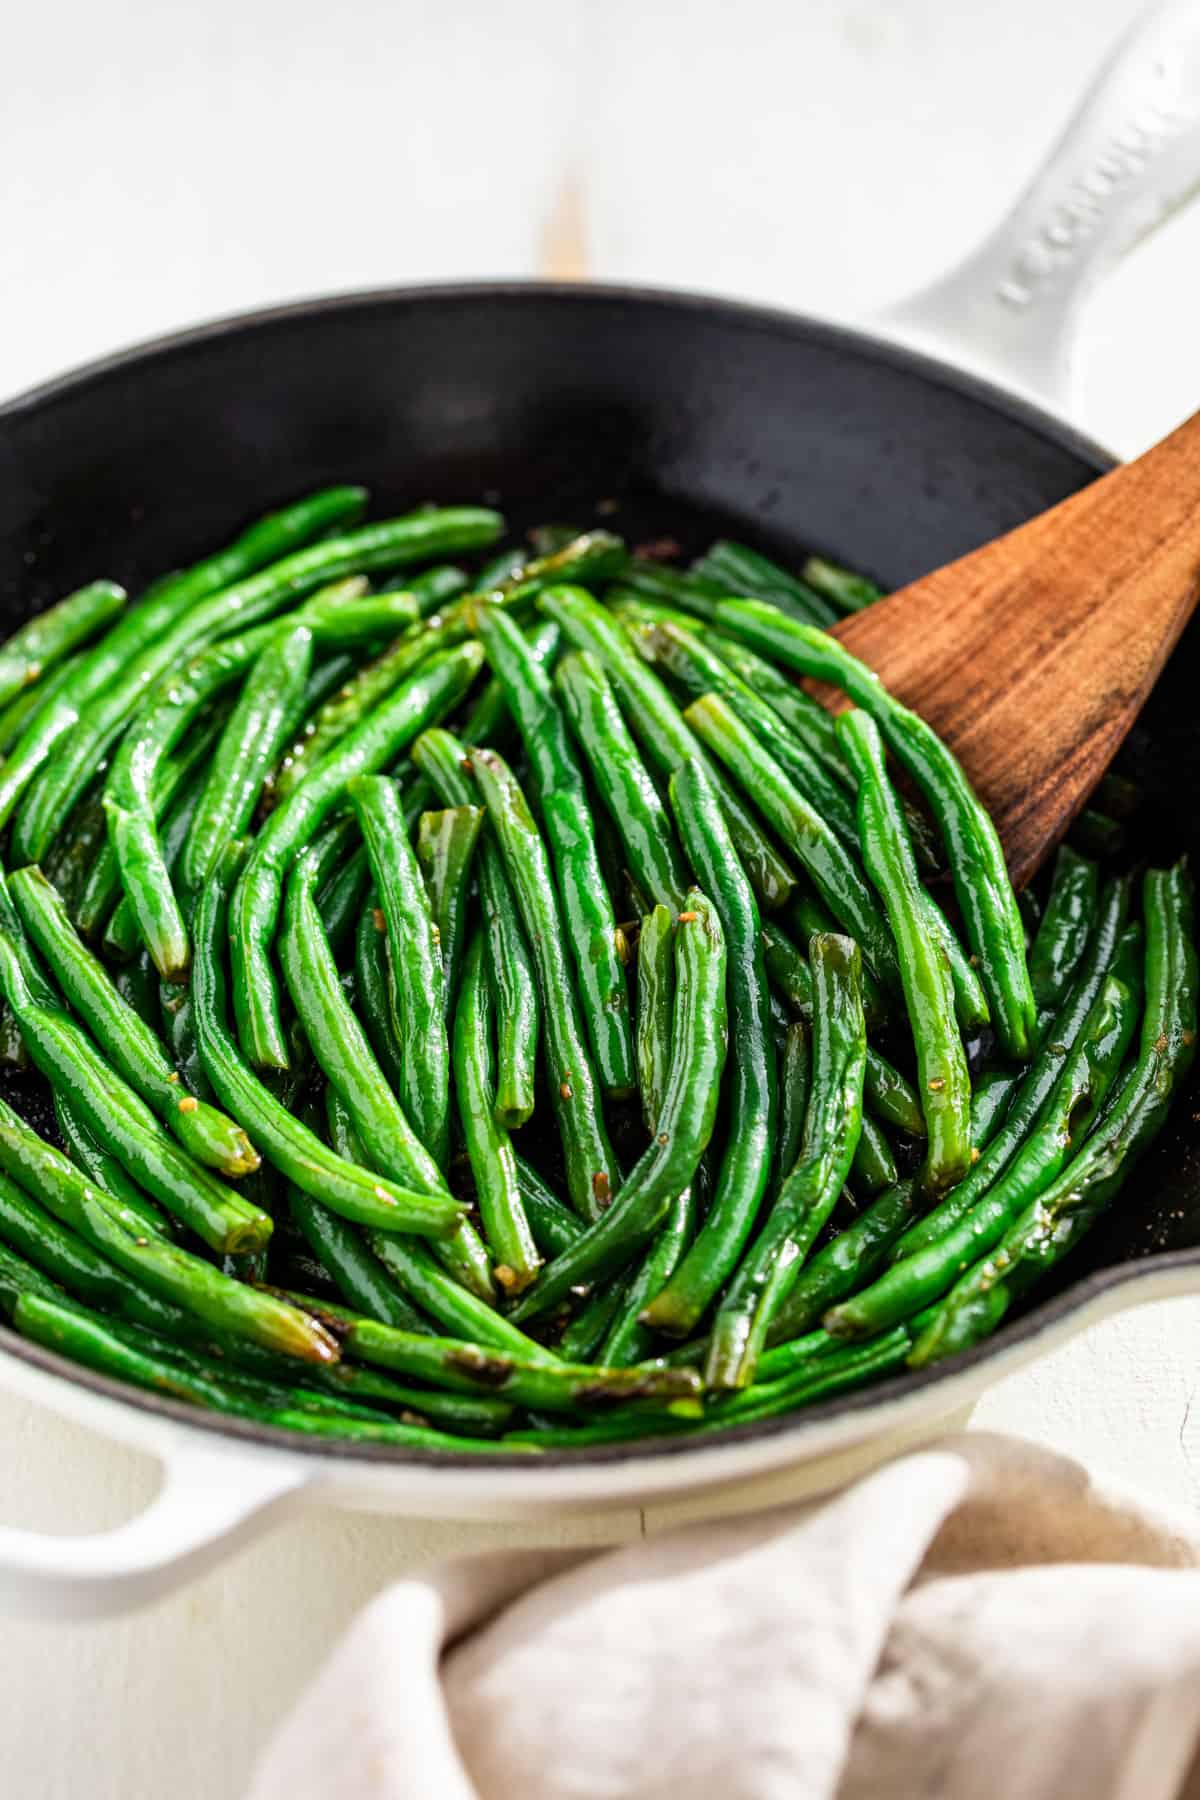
<point>1128,159</point>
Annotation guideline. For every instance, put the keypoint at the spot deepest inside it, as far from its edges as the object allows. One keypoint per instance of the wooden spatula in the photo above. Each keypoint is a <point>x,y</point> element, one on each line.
<point>1033,655</point>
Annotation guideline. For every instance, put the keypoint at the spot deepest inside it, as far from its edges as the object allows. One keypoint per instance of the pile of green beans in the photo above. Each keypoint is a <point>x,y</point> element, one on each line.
<point>491,1006</point>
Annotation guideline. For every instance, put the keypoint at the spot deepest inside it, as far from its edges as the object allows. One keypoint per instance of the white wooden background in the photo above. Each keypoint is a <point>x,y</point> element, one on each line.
<point>159,164</point>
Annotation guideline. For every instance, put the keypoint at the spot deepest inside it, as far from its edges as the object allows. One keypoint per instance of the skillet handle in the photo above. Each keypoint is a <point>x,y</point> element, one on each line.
<point>212,1499</point>
<point>1128,158</point>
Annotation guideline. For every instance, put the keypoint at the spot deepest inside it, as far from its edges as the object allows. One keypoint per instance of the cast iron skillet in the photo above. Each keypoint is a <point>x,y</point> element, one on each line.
<point>657,412</point>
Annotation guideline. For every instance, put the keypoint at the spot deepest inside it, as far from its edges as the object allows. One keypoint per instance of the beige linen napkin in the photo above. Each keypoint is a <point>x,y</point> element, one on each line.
<point>982,1620</point>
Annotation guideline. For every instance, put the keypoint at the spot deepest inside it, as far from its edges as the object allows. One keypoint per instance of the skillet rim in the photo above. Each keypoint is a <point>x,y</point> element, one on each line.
<point>742,316</point>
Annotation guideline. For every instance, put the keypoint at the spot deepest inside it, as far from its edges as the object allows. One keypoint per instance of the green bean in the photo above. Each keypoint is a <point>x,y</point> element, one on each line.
<point>166,778</point>
<point>554,1226</point>
<point>1035,1085</point>
<point>945,1084</point>
<point>342,899</point>
<point>52,634</point>
<point>739,570</point>
<point>416,980</point>
<point>95,1343</point>
<point>372,979</point>
<point>970,1002</point>
<point>806,915</point>
<point>54,1248</point>
<point>465,1414</point>
<point>662,732</point>
<point>554,1387</point>
<point>138,1357</point>
<point>348,1190</point>
<point>175,1010</point>
<point>685,1123</point>
<point>125,1125</point>
<point>690,593</point>
<point>813,1377</point>
<point>169,1272</point>
<point>249,745</point>
<point>569,1075</point>
<point>35,699</point>
<point>82,856</point>
<point>832,1123</point>
<point>431,588</point>
<point>18,1277</point>
<point>133,1048</point>
<point>624,1339</point>
<point>489,721</point>
<point>808,721</point>
<point>795,1071</point>
<point>786,968</point>
<point>847,1262</point>
<point>368,689</point>
<point>461,1298</point>
<point>804,717</point>
<point>1065,926</point>
<point>11,922</point>
<point>984,892</point>
<point>627,1340</point>
<point>493,1161</point>
<point>244,602</point>
<point>746,1164</point>
<point>387,1431</point>
<point>138,985</point>
<point>340,1044</point>
<point>890,1098</point>
<point>989,1101</point>
<point>874,1166</point>
<point>655,1002</point>
<point>827,1376</point>
<point>382,735</point>
<point>352,703</point>
<point>436,1293</point>
<point>848,591</point>
<point>1074,1102</point>
<point>346,613</point>
<point>700,671</point>
<point>567,823</point>
<point>91,1156</point>
<point>122,936</point>
<point>584,1334</point>
<point>254,1378</point>
<point>445,852</point>
<point>834,874</point>
<point>148,620</point>
<point>444,761</point>
<point>591,558</point>
<point>621,778</point>
<point>359,1275</point>
<point>1062,1213</point>
<point>136,777</point>
<point>343,1382</point>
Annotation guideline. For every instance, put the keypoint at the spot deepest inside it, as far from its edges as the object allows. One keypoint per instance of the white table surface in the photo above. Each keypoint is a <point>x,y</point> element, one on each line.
<point>161,164</point>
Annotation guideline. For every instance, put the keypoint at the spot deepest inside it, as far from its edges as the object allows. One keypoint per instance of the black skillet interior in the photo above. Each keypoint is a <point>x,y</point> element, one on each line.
<point>692,416</point>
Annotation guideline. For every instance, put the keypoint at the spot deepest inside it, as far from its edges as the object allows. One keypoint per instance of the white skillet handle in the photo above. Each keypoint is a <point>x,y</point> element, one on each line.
<point>211,1500</point>
<point>1127,160</point>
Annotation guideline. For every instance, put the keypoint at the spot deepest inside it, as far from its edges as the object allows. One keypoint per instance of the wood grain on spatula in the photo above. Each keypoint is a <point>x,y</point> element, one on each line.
<point>1033,655</point>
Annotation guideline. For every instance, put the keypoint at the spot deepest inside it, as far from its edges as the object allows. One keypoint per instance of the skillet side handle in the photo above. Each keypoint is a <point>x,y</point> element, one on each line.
<point>212,1499</point>
<point>1127,160</point>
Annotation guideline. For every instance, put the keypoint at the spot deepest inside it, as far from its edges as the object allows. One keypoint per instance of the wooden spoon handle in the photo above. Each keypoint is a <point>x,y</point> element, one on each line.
<point>1033,655</point>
